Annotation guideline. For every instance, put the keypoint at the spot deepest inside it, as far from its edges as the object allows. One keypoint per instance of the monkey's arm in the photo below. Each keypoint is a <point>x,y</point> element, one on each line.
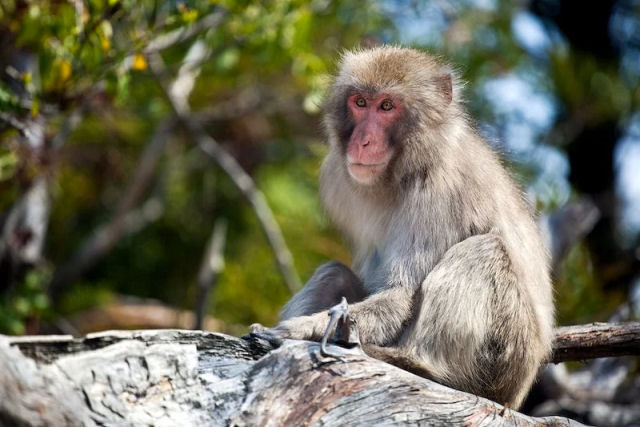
<point>379,317</point>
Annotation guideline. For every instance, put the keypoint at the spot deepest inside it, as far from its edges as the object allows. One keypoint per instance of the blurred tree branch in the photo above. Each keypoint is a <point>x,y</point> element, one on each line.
<point>212,265</point>
<point>595,340</point>
<point>239,177</point>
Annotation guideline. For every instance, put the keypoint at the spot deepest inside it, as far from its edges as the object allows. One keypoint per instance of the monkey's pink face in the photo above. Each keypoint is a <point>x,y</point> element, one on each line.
<point>369,149</point>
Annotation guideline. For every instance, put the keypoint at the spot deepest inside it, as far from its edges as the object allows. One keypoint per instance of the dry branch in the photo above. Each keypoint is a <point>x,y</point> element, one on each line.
<point>594,340</point>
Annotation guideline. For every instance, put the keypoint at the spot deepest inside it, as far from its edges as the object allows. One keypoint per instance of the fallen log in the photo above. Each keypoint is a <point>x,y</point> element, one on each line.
<point>179,377</point>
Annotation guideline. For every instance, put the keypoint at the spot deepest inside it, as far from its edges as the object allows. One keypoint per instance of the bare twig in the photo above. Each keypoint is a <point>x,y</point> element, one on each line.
<point>212,265</point>
<point>596,340</point>
<point>238,176</point>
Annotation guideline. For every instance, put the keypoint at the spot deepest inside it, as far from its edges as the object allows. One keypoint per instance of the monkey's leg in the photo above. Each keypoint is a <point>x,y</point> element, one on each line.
<point>328,285</point>
<point>476,328</point>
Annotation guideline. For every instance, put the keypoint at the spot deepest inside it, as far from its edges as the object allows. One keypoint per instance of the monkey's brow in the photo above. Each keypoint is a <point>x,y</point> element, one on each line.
<point>369,91</point>
<point>363,90</point>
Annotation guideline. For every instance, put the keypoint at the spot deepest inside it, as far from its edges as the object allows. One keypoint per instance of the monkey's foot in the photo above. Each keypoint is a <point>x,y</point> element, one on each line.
<point>342,328</point>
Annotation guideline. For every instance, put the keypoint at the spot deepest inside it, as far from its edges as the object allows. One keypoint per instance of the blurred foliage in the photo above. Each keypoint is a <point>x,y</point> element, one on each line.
<point>259,94</point>
<point>27,301</point>
<point>281,50</point>
<point>579,297</point>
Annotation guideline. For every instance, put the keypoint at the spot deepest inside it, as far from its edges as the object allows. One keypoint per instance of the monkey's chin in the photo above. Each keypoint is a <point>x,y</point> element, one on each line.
<point>365,174</point>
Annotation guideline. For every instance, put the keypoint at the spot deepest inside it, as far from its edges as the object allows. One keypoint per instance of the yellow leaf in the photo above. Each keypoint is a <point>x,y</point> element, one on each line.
<point>105,44</point>
<point>139,63</point>
<point>65,70</point>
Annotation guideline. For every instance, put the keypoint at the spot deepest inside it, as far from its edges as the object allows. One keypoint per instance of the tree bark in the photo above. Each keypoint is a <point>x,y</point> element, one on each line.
<point>176,377</point>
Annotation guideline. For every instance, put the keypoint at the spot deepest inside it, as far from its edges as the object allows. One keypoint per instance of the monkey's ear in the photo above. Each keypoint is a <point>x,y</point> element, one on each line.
<point>445,86</point>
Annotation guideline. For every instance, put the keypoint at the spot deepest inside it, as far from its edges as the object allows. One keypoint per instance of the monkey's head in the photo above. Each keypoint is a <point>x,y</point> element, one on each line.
<point>383,102</point>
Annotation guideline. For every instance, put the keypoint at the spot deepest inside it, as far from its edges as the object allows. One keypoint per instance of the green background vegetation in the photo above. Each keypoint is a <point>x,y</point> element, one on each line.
<point>281,54</point>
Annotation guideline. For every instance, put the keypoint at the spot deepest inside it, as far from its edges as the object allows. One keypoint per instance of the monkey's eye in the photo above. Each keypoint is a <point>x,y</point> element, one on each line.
<point>386,105</point>
<point>360,102</point>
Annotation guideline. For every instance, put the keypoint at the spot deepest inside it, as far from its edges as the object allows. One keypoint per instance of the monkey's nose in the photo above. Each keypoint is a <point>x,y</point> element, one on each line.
<point>367,142</point>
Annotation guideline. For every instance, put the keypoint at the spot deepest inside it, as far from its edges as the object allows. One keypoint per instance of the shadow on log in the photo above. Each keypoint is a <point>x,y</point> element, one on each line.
<point>177,377</point>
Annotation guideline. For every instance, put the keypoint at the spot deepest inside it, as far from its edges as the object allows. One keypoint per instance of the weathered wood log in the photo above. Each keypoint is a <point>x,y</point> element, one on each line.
<point>176,377</point>
<point>594,340</point>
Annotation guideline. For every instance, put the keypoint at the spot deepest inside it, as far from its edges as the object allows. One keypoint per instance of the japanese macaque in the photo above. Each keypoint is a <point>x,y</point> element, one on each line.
<point>450,275</point>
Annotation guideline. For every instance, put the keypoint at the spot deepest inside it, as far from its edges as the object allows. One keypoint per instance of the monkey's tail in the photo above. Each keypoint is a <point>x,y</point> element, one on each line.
<point>396,357</point>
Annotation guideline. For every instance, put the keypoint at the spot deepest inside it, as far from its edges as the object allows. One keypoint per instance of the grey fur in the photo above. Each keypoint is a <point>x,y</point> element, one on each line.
<point>450,269</point>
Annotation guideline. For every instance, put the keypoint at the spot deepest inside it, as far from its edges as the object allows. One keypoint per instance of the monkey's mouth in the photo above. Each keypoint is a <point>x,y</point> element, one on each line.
<point>367,165</point>
<point>365,172</point>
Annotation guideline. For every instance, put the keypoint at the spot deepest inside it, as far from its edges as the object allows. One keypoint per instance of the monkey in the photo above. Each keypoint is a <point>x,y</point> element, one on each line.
<point>449,272</point>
